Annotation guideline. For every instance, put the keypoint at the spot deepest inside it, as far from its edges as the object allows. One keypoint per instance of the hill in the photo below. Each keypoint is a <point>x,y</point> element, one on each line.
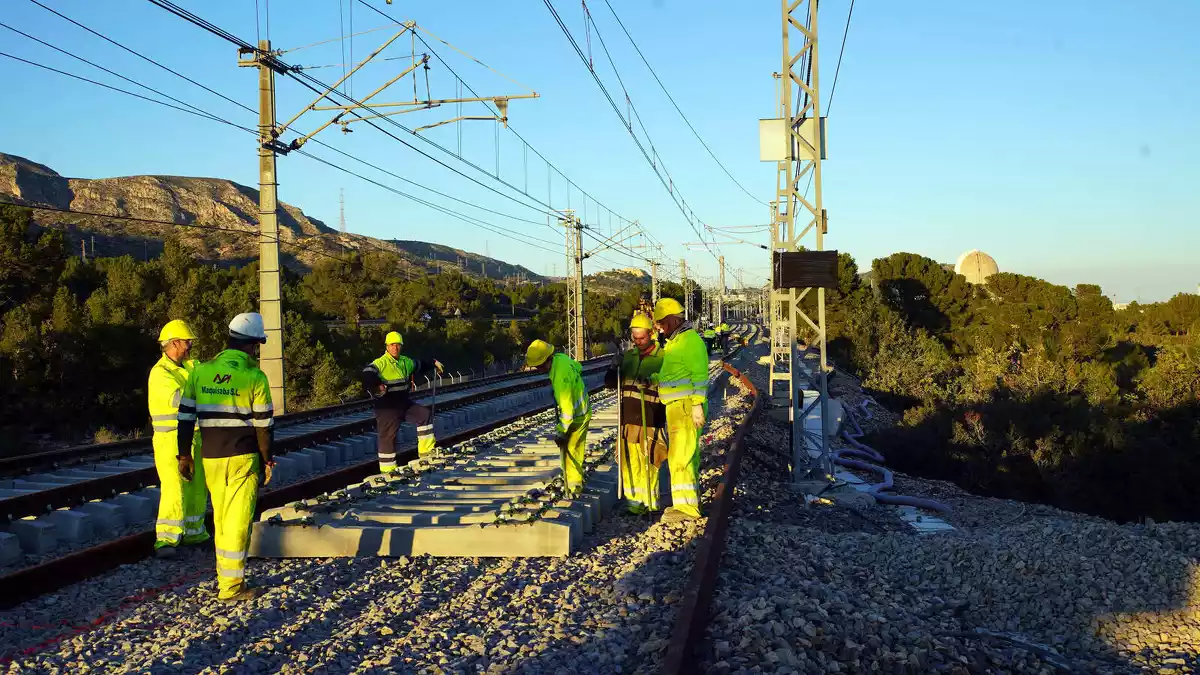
<point>216,218</point>
<point>616,282</point>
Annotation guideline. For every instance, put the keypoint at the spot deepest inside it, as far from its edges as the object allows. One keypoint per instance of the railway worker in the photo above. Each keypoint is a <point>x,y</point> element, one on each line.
<point>723,335</point>
<point>181,503</point>
<point>710,339</point>
<point>643,417</point>
<point>389,379</point>
<point>683,388</point>
<point>229,399</point>
<point>574,408</point>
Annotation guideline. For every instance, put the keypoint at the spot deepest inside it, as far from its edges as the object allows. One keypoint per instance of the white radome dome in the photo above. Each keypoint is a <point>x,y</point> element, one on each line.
<point>976,266</point>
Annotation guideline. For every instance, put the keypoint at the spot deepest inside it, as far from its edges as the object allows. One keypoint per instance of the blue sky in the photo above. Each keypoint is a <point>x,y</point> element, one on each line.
<point>1061,137</point>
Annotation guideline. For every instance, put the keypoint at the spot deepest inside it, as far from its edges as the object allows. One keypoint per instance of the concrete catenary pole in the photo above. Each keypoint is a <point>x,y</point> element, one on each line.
<point>270,303</point>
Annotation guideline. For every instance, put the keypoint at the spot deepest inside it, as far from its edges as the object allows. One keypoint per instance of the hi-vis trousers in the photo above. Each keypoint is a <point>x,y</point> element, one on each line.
<point>233,483</point>
<point>683,457</point>
<point>639,477</point>
<point>387,425</point>
<point>181,503</point>
<point>576,451</point>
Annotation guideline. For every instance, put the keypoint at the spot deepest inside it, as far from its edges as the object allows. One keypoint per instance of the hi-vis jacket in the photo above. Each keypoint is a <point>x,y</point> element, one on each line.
<point>165,390</point>
<point>570,395</point>
<point>394,373</point>
<point>638,393</point>
<point>229,399</point>
<point>684,372</point>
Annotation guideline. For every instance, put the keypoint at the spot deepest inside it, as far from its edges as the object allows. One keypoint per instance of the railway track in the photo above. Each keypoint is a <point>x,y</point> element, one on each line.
<point>495,435</point>
<point>75,506</point>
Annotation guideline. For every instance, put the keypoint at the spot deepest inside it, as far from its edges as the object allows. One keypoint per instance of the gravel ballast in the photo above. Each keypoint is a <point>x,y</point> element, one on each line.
<point>1016,588</point>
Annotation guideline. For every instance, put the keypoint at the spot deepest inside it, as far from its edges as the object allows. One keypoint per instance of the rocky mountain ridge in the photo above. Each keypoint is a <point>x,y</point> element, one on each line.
<point>217,218</point>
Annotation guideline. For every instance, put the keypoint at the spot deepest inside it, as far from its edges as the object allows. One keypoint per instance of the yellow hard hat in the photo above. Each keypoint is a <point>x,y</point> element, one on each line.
<point>641,320</point>
<point>176,329</point>
<point>538,352</point>
<point>666,307</point>
<point>393,338</point>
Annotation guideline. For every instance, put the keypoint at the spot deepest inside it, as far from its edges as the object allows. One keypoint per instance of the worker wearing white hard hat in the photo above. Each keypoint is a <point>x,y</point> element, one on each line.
<point>574,408</point>
<point>181,503</point>
<point>229,400</point>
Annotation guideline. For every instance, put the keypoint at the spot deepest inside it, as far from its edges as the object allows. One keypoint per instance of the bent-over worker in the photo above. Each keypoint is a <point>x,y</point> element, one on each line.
<point>683,388</point>
<point>574,408</point>
<point>229,399</point>
<point>181,503</point>
<point>643,416</point>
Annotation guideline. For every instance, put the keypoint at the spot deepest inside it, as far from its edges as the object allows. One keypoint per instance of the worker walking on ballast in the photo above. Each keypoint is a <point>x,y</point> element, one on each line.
<point>574,408</point>
<point>181,503</point>
<point>683,388</point>
<point>229,400</point>
<point>643,416</point>
<point>389,379</point>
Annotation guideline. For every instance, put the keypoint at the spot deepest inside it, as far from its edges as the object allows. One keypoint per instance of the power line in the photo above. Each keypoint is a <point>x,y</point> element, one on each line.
<point>206,115</point>
<point>679,202</point>
<point>202,114</point>
<point>515,133</point>
<point>836,71</point>
<point>324,90</point>
<point>676,105</point>
<point>110,72</point>
<point>145,58</point>
<point>841,52</point>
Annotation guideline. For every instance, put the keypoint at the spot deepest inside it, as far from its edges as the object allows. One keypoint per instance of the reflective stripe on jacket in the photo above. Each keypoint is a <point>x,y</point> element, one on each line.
<point>638,393</point>
<point>570,395</point>
<point>164,388</point>
<point>684,372</point>
<point>394,373</point>
<point>227,398</point>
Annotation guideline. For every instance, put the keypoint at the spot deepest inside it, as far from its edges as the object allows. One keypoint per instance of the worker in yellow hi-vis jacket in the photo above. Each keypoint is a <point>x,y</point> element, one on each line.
<point>181,503</point>
<point>643,431</point>
<point>574,408</point>
<point>683,388</point>
<point>229,400</point>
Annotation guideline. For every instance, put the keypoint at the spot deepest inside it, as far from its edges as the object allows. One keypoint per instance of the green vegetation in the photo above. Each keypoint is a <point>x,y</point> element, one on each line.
<point>77,339</point>
<point>1026,389</point>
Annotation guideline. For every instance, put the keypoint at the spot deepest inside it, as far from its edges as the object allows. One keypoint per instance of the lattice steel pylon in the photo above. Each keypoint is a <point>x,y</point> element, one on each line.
<point>796,141</point>
<point>573,229</point>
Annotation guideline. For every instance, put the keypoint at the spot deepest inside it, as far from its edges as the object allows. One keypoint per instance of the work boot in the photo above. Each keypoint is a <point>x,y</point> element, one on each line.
<point>165,552</point>
<point>672,515</point>
<point>246,593</point>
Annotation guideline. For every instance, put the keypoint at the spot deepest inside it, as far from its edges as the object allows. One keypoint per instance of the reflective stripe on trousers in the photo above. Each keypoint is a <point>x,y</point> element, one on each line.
<point>683,457</point>
<point>572,458</point>
<point>181,504</point>
<point>233,483</point>
<point>639,480</point>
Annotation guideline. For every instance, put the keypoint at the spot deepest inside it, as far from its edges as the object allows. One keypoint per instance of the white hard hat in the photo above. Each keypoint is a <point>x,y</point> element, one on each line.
<point>248,326</point>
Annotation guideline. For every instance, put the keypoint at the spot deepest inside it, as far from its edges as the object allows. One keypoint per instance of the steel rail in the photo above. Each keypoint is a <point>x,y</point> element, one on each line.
<point>692,619</point>
<point>67,495</point>
<point>30,582</point>
<point>78,454</point>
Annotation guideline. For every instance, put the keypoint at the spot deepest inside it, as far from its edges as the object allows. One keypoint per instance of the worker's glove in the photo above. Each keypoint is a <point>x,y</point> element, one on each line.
<point>698,415</point>
<point>267,472</point>
<point>187,467</point>
<point>561,441</point>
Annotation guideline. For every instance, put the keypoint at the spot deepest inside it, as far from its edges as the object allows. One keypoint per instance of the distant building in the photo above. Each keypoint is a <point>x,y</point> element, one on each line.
<point>976,266</point>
